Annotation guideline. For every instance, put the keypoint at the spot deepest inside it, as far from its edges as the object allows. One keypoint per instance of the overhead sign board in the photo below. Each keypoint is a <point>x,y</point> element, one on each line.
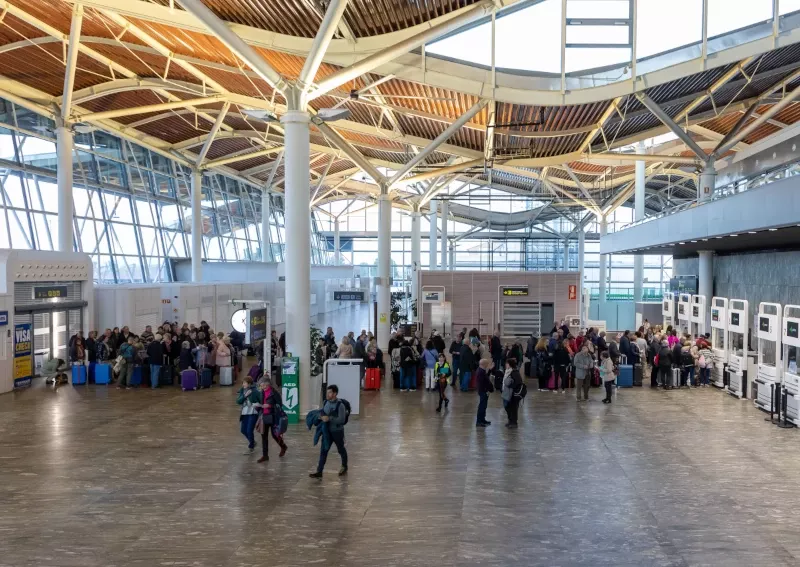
<point>257,325</point>
<point>3,318</point>
<point>50,292</point>
<point>348,296</point>
<point>515,291</point>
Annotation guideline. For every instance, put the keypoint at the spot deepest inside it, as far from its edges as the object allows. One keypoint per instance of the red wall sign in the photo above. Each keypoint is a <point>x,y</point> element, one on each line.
<point>573,292</point>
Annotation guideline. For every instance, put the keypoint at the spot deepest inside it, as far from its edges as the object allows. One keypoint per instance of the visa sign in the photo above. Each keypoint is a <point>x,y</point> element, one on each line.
<point>23,350</point>
<point>22,339</point>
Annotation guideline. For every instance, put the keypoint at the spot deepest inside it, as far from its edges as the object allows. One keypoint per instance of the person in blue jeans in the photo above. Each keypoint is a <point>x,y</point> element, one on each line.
<point>250,399</point>
<point>408,367</point>
<point>466,364</point>
<point>335,414</point>
<point>155,354</point>
<point>455,353</point>
<point>485,387</point>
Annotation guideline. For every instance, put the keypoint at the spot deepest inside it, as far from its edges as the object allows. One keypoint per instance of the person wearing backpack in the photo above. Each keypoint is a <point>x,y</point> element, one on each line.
<point>336,415</point>
<point>512,382</point>
<point>442,373</point>
<point>271,413</point>
<point>250,399</point>
<point>408,367</point>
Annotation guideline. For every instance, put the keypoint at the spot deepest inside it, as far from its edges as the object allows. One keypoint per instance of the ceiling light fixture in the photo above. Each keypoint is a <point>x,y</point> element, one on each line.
<point>261,114</point>
<point>773,229</point>
<point>733,235</point>
<point>333,114</point>
<point>750,232</point>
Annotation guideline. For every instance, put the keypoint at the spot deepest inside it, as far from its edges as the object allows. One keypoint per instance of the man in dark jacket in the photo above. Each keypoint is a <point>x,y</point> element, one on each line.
<point>438,342</point>
<point>625,346</point>
<point>665,366</point>
<point>408,367</point>
<point>485,387</point>
<point>455,353</point>
<point>496,350</point>
<point>602,346</point>
<point>155,354</point>
<point>466,364</point>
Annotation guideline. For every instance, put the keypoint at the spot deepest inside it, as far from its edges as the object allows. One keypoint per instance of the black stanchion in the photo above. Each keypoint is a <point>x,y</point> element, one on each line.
<point>771,403</point>
<point>785,424</point>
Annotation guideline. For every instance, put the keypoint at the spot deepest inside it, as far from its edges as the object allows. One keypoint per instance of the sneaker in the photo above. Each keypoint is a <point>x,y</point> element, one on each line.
<point>315,475</point>
<point>480,425</point>
<point>439,410</point>
<point>262,459</point>
<point>283,450</point>
<point>487,423</point>
<point>513,426</point>
<point>403,390</point>
<point>413,389</point>
<point>342,471</point>
<point>250,451</point>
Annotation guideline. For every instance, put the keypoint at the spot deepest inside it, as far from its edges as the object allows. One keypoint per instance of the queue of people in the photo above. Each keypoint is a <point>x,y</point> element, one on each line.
<point>160,354</point>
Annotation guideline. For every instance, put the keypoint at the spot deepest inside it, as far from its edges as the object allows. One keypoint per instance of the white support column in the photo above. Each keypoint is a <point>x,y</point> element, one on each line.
<point>298,248</point>
<point>708,180</point>
<point>433,239</point>
<point>64,180</point>
<point>705,274</point>
<point>266,213</point>
<point>445,212</point>
<point>603,260</point>
<point>581,251</point>
<point>639,200</point>
<point>451,261</point>
<point>197,226</point>
<point>337,246</point>
<point>566,255</point>
<point>416,245</point>
<point>384,265</point>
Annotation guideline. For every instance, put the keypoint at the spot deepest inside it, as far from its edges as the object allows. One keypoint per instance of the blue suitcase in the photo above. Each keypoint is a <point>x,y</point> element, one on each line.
<point>136,378</point>
<point>102,374</point>
<point>78,375</point>
<point>206,377</point>
<point>189,379</point>
<point>625,378</point>
<point>92,371</point>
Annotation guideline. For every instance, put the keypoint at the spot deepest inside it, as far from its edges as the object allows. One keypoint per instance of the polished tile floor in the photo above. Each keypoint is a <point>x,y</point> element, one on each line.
<point>101,477</point>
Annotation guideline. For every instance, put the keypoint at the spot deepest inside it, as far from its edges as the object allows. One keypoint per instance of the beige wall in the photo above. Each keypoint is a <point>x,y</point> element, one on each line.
<point>467,291</point>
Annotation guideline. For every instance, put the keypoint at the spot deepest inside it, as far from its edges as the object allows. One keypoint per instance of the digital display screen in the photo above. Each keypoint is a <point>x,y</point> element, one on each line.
<point>695,311</point>
<point>348,296</point>
<point>763,324</point>
<point>50,292</point>
<point>681,310</point>
<point>715,315</point>
<point>792,329</point>
<point>735,319</point>
<point>666,307</point>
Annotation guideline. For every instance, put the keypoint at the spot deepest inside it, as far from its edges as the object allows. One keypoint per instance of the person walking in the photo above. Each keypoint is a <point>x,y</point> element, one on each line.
<point>485,387</point>
<point>511,383</point>
<point>334,414</point>
<point>584,363</point>
<point>270,414</point>
<point>442,372</point>
<point>155,353</point>
<point>607,375</point>
<point>249,398</point>
<point>430,356</point>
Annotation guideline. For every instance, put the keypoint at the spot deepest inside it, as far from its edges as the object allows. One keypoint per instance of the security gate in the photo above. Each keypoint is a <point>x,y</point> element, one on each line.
<point>520,318</point>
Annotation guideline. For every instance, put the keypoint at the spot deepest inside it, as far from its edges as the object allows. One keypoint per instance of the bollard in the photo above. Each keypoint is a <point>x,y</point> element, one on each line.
<point>771,404</point>
<point>785,424</point>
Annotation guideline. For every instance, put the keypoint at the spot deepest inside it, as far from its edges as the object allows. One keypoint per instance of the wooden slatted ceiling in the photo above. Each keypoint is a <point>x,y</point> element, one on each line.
<point>41,67</point>
<point>723,124</point>
<point>228,146</point>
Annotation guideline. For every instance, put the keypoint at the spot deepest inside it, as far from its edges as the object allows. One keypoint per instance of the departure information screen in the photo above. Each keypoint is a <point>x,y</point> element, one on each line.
<point>792,329</point>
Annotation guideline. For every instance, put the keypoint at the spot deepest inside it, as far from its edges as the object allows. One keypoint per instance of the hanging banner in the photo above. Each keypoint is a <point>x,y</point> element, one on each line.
<point>573,292</point>
<point>23,355</point>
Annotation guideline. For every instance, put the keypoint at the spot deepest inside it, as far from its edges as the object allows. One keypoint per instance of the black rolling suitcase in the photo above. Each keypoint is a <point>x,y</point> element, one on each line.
<point>638,375</point>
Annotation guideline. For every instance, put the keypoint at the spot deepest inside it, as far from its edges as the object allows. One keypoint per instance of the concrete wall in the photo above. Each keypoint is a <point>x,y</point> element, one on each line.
<point>760,276</point>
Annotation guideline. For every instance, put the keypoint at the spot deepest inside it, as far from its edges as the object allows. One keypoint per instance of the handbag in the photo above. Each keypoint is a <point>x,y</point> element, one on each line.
<point>260,428</point>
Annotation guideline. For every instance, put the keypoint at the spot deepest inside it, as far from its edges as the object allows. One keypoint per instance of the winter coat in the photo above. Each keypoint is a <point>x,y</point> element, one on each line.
<point>223,357</point>
<point>607,370</point>
<point>561,357</point>
<point>665,357</point>
<point>430,357</point>
<point>496,347</point>
<point>344,351</point>
<point>155,352</point>
<point>583,363</point>
<point>511,383</point>
<point>466,361</point>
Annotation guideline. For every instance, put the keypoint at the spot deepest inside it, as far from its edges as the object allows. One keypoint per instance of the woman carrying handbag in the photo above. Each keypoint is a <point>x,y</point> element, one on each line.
<point>272,420</point>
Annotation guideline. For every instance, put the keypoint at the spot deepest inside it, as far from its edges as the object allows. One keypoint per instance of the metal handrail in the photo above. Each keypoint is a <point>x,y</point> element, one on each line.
<point>725,191</point>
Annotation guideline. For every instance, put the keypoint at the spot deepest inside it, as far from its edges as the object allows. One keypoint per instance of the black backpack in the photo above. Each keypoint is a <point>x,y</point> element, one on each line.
<point>522,392</point>
<point>346,409</point>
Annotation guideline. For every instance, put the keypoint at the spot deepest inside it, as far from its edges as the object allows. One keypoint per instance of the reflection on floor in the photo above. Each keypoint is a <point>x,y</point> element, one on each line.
<point>96,476</point>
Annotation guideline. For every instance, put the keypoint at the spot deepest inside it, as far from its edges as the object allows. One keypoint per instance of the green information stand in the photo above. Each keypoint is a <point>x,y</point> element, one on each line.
<point>290,376</point>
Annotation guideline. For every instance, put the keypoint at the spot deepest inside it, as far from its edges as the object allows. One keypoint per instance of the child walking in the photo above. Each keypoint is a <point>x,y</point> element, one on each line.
<point>442,372</point>
<point>250,400</point>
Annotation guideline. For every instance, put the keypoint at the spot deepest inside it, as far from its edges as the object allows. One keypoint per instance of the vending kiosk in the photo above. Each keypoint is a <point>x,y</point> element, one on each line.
<point>697,317</point>
<point>684,313</point>
<point>791,348</point>
<point>737,347</point>
<point>668,309</point>
<point>769,351</point>
<point>719,340</point>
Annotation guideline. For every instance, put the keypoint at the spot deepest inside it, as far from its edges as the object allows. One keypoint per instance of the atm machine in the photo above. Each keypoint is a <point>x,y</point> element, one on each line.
<point>791,348</point>
<point>697,318</point>
<point>668,309</point>
<point>737,347</point>
<point>684,313</point>
<point>769,352</point>
<point>719,339</point>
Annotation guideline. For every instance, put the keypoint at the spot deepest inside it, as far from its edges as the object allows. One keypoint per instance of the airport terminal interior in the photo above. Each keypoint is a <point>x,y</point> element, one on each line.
<point>355,282</point>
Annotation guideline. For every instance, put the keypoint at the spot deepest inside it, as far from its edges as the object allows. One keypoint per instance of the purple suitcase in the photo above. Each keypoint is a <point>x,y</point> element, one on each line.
<point>189,379</point>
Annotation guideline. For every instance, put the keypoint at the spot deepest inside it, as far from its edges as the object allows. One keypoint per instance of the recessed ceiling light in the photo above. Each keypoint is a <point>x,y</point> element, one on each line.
<point>694,240</point>
<point>705,240</point>
<point>773,229</point>
<point>681,243</point>
<point>750,232</point>
<point>718,237</point>
<point>734,235</point>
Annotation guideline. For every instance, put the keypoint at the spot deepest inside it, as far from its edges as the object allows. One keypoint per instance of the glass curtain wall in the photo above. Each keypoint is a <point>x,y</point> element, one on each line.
<point>132,207</point>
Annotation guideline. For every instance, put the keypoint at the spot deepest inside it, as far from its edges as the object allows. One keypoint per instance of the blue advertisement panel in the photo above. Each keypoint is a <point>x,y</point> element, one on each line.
<point>23,355</point>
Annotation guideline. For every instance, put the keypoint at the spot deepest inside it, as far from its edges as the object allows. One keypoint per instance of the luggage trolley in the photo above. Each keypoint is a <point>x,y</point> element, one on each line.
<point>668,309</point>
<point>684,313</point>
<point>791,348</point>
<point>697,317</point>
<point>719,339</point>
<point>769,351</point>
<point>737,347</point>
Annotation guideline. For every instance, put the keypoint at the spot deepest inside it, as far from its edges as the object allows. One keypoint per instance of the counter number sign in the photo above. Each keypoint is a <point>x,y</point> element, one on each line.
<point>516,291</point>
